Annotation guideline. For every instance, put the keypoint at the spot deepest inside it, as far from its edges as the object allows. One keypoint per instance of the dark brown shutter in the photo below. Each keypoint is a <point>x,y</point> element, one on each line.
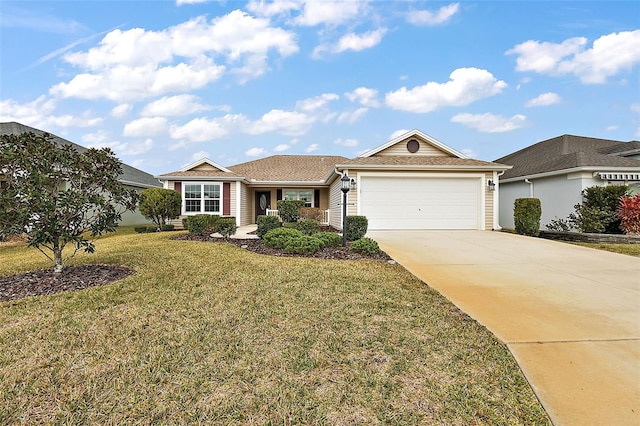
<point>178,187</point>
<point>278,194</point>
<point>316,198</point>
<point>226,199</point>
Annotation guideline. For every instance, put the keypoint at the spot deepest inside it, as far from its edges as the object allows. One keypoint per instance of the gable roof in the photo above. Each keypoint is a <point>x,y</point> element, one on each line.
<point>569,152</point>
<point>289,168</point>
<point>203,162</point>
<point>415,133</point>
<point>130,175</point>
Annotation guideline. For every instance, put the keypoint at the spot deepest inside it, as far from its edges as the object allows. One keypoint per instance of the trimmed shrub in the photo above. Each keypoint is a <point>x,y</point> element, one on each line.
<point>365,246</point>
<point>596,213</point>
<point>356,227</point>
<point>226,226</point>
<point>201,224</point>
<point>185,223</point>
<point>277,238</point>
<point>311,213</point>
<point>329,239</point>
<point>168,227</point>
<point>140,229</point>
<point>151,229</point>
<point>308,226</point>
<point>526,215</point>
<point>289,210</point>
<point>303,244</point>
<point>266,224</point>
<point>559,225</point>
<point>628,212</point>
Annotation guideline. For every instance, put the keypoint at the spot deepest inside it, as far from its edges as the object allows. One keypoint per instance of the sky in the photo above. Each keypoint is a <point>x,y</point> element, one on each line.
<point>167,83</point>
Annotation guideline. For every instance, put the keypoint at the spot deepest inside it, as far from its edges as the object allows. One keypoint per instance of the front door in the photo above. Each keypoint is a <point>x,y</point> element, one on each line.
<point>263,201</point>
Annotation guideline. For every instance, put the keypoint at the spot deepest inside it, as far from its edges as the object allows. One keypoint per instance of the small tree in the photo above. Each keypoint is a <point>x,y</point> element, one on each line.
<point>628,212</point>
<point>160,205</point>
<point>57,195</point>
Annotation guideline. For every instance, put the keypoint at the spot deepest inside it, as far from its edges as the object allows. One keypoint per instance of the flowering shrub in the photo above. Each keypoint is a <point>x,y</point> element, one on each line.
<point>628,212</point>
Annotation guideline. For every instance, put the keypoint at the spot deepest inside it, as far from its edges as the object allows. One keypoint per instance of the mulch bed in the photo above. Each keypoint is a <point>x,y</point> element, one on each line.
<point>257,246</point>
<point>45,282</point>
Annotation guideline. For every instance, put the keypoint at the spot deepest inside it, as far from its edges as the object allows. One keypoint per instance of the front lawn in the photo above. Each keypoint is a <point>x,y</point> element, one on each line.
<point>629,249</point>
<point>211,333</point>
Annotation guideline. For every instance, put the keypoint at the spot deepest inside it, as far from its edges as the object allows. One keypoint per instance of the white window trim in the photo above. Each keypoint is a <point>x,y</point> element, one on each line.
<point>298,190</point>
<point>202,199</point>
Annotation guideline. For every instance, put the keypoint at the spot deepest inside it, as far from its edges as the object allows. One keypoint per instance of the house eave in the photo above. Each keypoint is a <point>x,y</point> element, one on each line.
<point>414,132</point>
<point>419,167</point>
<point>571,170</point>
<point>140,185</point>
<point>165,178</point>
<point>282,183</point>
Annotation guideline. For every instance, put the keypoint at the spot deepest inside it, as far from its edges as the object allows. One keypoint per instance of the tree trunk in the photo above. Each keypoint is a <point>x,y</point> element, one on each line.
<point>57,258</point>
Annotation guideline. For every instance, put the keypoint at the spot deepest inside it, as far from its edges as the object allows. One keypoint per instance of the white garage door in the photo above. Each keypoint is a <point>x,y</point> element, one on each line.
<point>421,202</point>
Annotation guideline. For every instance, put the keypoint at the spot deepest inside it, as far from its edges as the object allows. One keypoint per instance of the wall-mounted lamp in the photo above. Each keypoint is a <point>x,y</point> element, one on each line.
<point>491,184</point>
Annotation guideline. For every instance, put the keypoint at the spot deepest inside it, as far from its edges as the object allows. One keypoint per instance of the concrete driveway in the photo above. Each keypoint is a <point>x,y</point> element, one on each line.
<point>570,315</point>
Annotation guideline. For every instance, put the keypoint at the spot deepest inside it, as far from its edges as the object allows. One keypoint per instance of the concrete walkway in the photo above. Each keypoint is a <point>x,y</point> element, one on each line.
<point>570,315</point>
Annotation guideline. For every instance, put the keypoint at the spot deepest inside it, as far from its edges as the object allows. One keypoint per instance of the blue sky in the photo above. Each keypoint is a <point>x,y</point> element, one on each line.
<point>165,83</point>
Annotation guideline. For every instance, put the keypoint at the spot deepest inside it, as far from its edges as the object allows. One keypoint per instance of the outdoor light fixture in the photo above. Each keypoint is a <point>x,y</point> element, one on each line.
<point>491,184</point>
<point>347,184</point>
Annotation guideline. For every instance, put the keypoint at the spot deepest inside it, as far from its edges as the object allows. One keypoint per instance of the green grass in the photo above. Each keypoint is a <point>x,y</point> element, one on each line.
<point>210,333</point>
<point>629,249</point>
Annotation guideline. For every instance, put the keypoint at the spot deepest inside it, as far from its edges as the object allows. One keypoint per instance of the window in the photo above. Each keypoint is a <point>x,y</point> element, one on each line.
<point>305,195</point>
<point>202,198</point>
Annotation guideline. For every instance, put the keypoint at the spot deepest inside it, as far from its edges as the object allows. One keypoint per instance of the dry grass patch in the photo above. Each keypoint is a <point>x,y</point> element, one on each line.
<point>210,333</point>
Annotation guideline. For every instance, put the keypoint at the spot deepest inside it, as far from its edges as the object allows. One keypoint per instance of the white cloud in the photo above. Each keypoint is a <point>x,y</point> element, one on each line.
<point>352,116</point>
<point>181,2</point>
<point>609,55</point>
<point>99,140</point>
<point>275,7</point>
<point>120,111</point>
<point>39,113</point>
<point>285,122</point>
<point>351,41</point>
<point>330,12</point>
<point>470,153</point>
<point>425,17</point>
<point>490,123</point>
<point>346,142</point>
<point>544,99</point>
<point>203,129</point>
<point>611,128</point>
<point>635,107</point>
<point>137,64</point>
<point>466,85</point>
<point>95,139</point>
<point>255,152</point>
<point>397,133</point>
<point>315,103</point>
<point>174,106</point>
<point>281,148</point>
<point>367,97</point>
<point>311,148</point>
<point>199,156</point>
<point>147,126</point>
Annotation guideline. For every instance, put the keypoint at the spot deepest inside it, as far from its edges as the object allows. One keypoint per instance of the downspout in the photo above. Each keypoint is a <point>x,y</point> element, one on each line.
<point>496,201</point>
<point>531,193</point>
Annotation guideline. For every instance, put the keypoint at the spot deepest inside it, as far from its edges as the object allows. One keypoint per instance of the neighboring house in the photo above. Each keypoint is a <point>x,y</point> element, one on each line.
<point>411,182</point>
<point>130,176</point>
<point>557,170</point>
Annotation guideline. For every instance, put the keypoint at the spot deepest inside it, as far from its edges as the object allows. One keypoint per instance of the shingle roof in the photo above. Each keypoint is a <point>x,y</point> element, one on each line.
<point>425,161</point>
<point>288,168</point>
<point>568,152</point>
<point>129,174</point>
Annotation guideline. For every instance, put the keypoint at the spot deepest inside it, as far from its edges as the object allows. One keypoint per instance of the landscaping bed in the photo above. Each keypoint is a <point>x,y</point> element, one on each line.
<point>258,246</point>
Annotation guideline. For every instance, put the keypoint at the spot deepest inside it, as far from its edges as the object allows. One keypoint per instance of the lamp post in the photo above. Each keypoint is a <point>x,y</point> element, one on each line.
<point>347,184</point>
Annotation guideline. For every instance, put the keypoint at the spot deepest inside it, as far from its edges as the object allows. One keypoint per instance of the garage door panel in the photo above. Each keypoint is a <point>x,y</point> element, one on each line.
<point>420,202</point>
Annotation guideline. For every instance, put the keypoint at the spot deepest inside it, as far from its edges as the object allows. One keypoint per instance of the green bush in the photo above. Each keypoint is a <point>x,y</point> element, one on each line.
<point>597,211</point>
<point>303,244</point>
<point>277,238</point>
<point>152,229</point>
<point>266,224</point>
<point>356,227</point>
<point>168,227</point>
<point>526,215</point>
<point>290,225</point>
<point>311,213</point>
<point>308,226</point>
<point>226,226</point>
<point>185,223</point>
<point>140,229</point>
<point>329,239</point>
<point>560,225</point>
<point>289,210</point>
<point>201,224</point>
<point>365,246</point>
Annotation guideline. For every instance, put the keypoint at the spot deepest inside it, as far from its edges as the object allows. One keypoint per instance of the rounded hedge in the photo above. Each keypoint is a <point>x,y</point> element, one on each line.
<point>277,238</point>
